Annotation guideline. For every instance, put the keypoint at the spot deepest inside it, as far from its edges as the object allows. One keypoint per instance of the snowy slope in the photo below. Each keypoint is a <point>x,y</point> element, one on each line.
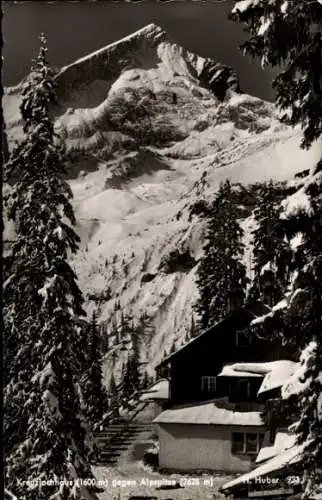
<point>132,192</point>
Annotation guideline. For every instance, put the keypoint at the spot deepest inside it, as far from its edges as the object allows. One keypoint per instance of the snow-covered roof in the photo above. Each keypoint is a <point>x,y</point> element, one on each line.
<point>280,372</point>
<point>283,441</point>
<point>230,370</point>
<point>158,390</point>
<point>275,373</point>
<point>209,414</point>
<point>260,368</point>
<point>284,459</point>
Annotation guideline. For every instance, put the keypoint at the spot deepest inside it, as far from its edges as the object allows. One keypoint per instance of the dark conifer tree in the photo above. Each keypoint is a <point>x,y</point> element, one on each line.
<point>132,376</point>
<point>45,347</point>
<point>145,380</point>
<point>93,390</point>
<point>126,326</point>
<point>114,402</point>
<point>193,329</point>
<point>221,277</point>
<point>104,338</point>
<point>272,254</point>
<point>173,347</point>
<point>288,36</point>
<point>129,380</point>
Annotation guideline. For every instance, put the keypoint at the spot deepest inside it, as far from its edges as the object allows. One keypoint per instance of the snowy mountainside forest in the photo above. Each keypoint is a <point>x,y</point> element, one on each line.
<point>150,130</point>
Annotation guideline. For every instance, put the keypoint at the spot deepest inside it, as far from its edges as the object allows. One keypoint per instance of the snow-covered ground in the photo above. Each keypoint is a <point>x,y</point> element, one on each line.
<point>139,479</point>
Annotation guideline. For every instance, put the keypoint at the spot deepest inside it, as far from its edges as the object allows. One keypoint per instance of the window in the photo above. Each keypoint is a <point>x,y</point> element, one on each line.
<point>208,383</point>
<point>246,442</point>
<point>242,339</point>
<point>237,443</point>
<point>252,443</point>
<point>243,389</point>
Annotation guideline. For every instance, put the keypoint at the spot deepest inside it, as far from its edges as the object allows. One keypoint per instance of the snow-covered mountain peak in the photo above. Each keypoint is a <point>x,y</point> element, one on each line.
<point>147,57</point>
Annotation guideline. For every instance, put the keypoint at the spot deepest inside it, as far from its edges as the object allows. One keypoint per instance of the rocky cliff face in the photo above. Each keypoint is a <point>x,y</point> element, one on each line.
<point>153,56</point>
<point>150,129</point>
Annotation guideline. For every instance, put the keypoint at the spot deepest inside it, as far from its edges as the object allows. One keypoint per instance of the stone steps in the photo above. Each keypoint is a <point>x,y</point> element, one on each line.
<point>119,438</point>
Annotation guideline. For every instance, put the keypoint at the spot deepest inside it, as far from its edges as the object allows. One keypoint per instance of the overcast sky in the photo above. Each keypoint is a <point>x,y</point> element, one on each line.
<point>75,29</point>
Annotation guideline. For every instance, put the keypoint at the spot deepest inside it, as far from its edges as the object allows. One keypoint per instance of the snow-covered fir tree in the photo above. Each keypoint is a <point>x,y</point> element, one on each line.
<point>299,322</point>
<point>305,389</point>
<point>173,347</point>
<point>131,378</point>
<point>114,397</point>
<point>45,350</point>
<point>125,326</point>
<point>270,246</point>
<point>221,276</point>
<point>131,375</point>
<point>304,324</point>
<point>104,334</point>
<point>93,390</point>
<point>193,332</point>
<point>288,35</point>
<point>146,380</point>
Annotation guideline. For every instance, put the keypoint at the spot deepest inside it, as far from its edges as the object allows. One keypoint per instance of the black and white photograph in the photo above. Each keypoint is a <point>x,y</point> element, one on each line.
<point>162,249</point>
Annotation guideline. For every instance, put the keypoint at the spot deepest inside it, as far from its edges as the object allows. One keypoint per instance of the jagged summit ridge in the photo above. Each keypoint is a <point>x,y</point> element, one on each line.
<point>148,56</point>
<point>151,31</point>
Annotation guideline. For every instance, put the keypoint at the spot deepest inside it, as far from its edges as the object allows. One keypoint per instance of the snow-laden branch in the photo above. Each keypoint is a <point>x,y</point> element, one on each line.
<point>298,382</point>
